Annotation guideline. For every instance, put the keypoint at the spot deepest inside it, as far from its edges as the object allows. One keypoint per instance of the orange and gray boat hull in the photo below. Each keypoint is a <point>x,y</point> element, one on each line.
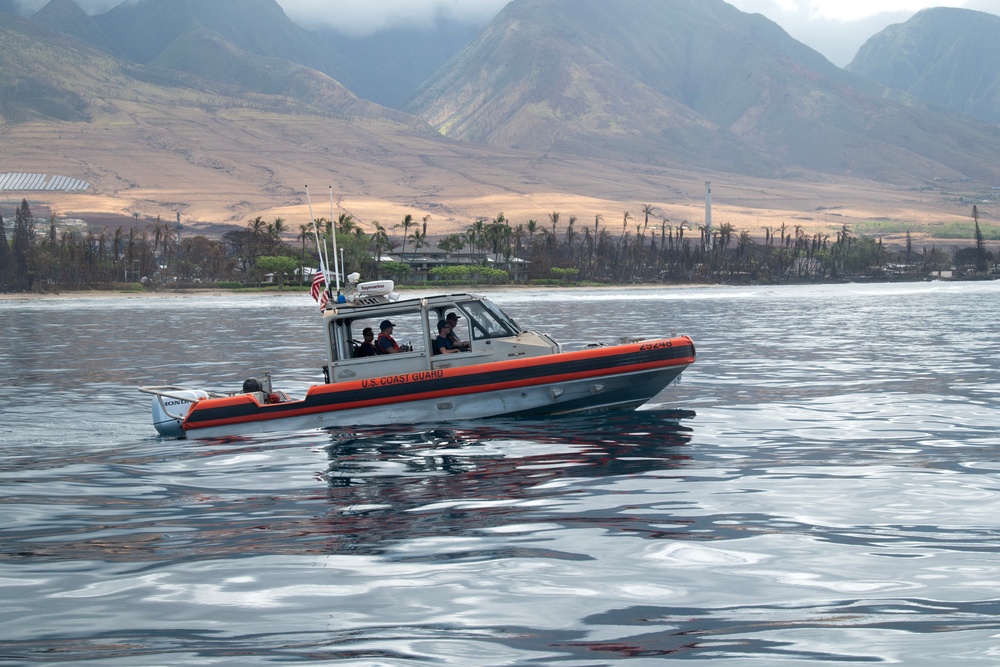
<point>611,377</point>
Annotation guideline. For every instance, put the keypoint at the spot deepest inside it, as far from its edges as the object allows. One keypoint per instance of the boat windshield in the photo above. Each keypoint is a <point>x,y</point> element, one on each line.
<point>488,321</point>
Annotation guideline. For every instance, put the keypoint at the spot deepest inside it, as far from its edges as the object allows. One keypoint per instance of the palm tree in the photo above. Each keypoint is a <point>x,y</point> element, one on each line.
<point>419,238</point>
<point>621,252</point>
<point>305,231</point>
<point>647,210</point>
<point>743,242</point>
<point>258,228</point>
<point>157,234</point>
<point>452,243</point>
<point>258,233</point>
<point>570,236</point>
<point>664,226</point>
<point>588,244</point>
<point>475,233</point>
<point>532,228</point>
<point>345,223</point>
<point>169,237</point>
<point>130,253</point>
<point>379,240</point>
<point>275,230</point>
<point>726,230</point>
<point>101,243</point>
<point>497,235</point>
<point>407,223</point>
<point>519,233</point>
<point>117,242</point>
<point>554,218</point>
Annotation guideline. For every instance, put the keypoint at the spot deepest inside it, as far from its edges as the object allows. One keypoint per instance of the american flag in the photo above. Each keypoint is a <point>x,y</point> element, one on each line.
<point>318,290</point>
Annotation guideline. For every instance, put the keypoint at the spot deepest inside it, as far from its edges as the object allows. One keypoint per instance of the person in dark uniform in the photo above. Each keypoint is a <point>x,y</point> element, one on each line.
<point>367,348</point>
<point>442,344</point>
<point>456,342</point>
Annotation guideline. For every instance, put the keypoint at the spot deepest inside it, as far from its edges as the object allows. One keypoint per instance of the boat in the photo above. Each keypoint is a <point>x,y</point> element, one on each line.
<point>500,369</point>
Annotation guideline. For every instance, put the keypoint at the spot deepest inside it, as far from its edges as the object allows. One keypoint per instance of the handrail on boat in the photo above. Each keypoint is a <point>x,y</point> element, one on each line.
<point>182,394</point>
<point>166,391</point>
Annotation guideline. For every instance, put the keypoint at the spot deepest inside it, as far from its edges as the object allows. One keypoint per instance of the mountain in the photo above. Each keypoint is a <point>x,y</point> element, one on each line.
<point>592,107</point>
<point>237,47</point>
<point>252,46</point>
<point>141,134</point>
<point>246,45</point>
<point>146,30</point>
<point>949,57</point>
<point>387,67</point>
<point>48,85</point>
<point>52,75</point>
<point>66,17</point>
<point>690,81</point>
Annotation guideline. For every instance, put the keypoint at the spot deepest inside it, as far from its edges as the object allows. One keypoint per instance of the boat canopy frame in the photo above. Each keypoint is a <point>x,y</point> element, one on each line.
<point>485,320</point>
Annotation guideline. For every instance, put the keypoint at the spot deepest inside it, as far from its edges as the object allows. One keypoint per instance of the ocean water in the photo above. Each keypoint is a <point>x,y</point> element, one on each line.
<point>822,487</point>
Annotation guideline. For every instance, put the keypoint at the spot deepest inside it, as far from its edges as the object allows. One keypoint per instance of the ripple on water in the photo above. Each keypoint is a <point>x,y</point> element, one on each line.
<point>820,488</point>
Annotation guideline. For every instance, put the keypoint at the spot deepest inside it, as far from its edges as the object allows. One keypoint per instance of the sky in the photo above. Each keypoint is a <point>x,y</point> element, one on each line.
<point>838,28</point>
<point>835,28</point>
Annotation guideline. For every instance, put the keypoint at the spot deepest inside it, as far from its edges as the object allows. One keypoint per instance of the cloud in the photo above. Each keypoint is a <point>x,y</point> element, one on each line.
<point>349,16</point>
<point>92,7</point>
<point>838,28</point>
<point>988,6</point>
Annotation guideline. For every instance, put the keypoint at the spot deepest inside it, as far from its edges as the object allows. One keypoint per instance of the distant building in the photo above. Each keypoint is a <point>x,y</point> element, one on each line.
<point>422,261</point>
<point>22,182</point>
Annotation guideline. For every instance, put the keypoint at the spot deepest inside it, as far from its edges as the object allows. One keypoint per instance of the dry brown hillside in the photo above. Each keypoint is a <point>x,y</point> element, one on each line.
<point>229,167</point>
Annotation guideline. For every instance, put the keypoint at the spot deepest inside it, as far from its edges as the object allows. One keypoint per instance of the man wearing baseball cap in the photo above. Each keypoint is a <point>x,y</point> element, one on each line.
<point>386,343</point>
<point>456,342</point>
<point>441,344</point>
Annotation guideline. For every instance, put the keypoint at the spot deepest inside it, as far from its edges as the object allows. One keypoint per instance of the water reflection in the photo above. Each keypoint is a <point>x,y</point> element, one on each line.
<point>167,499</point>
<point>393,485</point>
<point>618,442</point>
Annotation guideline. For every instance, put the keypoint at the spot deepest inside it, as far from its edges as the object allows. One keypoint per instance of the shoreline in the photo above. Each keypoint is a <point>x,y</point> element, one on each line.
<point>187,293</point>
<point>415,291</point>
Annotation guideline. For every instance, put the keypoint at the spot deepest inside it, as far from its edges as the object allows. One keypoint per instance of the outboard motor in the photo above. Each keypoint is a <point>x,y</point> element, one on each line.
<point>260,385</point>
<point>261,388</point>
<point>250,385</point>
<point>170,410</point>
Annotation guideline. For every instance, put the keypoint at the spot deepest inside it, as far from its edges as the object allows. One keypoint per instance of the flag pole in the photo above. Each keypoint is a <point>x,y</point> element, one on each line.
<point>336,266</point>
<point>319,247</point>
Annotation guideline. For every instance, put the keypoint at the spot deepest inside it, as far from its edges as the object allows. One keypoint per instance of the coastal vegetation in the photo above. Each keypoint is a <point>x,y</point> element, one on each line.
<point>550,250</point>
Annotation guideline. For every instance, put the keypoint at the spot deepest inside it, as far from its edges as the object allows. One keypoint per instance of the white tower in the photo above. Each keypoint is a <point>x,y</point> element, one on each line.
<point>708,214</point>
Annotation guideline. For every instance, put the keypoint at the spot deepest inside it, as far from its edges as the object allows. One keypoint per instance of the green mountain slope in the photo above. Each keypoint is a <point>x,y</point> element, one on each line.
<point>949,57</point>
<point>47,76</point>
<point>144,30</point>
<point>233,47</point>
<point>66,17</point>
<point>388,66</point>
<point>52,76</point>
